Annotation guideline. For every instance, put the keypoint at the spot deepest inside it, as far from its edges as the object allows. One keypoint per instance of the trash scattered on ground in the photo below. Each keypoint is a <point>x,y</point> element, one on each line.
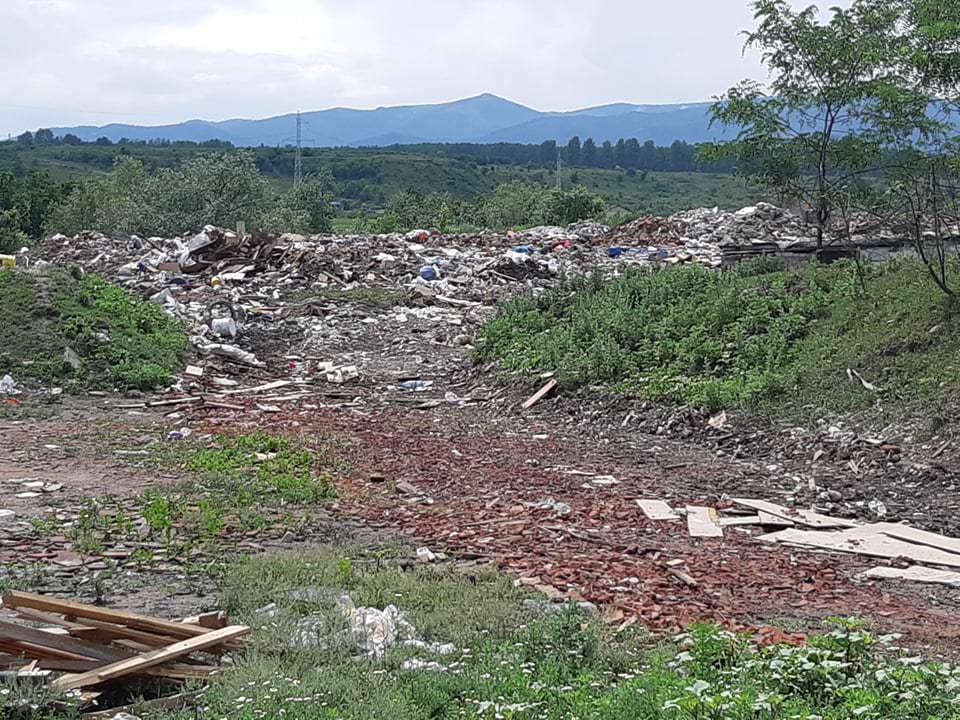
<point>371,630</point>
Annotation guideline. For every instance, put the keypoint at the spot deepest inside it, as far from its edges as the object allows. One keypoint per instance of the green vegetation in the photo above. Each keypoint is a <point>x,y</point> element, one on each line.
<point>754,338</point>
<point>235,484</point>
<point>515,660</point>
<point>219,190</point>
<point>870,92</point>
<point>514,205</point>
<point>261,467</point>
<point>84,332</point>
<point>165,189</point>
<point>25,205</point>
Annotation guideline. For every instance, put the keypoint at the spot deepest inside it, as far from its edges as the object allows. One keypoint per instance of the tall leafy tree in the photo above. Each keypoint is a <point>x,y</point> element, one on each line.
<point>836,97</point>
<point>606,154</point>
<point>589,155</point>
<point>573,150</point>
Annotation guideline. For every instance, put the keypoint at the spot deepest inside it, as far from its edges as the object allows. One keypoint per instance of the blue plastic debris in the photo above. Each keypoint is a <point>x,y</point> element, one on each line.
<point>525,249</point>
<point>615,252</point>
<point>428,272</point>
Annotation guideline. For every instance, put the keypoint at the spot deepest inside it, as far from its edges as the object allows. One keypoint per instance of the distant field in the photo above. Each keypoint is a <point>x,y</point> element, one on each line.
<point>368,177</point>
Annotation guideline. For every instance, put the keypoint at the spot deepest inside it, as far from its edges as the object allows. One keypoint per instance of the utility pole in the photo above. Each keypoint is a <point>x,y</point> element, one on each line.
<point>559,162</point>
<point>298,161</point>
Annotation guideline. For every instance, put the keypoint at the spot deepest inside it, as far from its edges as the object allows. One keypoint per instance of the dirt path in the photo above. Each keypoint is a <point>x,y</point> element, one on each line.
<point>543,507</point>
<point>547,495</point>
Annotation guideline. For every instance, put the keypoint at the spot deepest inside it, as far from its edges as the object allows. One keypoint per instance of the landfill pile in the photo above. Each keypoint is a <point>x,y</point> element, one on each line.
<point>326,306</point>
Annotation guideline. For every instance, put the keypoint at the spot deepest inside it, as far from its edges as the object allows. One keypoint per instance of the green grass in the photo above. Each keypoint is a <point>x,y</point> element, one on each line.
<point>513,660</point>
<point>751,338</point>
<point>122,341</point>
<point>262,466</point>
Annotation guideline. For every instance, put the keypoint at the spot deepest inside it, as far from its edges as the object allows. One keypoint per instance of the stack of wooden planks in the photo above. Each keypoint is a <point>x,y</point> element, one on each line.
<point>94,645</point>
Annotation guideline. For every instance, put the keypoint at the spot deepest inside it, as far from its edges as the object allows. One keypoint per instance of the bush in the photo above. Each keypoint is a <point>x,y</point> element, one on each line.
<point>120,340</point>
<point>755,336</point>
<point>219,189</point>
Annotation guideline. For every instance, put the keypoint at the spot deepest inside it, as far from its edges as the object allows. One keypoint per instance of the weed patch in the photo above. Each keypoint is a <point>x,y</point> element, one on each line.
<point>758,337</point>
<point>525,663</point>
<point>119,340</point>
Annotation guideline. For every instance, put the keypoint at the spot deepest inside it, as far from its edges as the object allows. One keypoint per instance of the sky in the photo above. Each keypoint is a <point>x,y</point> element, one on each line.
<point>149,62</point>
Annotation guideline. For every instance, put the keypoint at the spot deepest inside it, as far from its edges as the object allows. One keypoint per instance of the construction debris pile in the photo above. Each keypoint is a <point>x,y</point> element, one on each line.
<point>913,549</point>
<point>80,646</point>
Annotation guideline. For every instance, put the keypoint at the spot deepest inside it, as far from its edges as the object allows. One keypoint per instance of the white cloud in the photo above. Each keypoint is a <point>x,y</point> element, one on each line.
<point>96,61</point>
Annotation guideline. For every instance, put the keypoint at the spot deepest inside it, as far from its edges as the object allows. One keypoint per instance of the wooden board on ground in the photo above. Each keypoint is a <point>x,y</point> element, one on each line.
<point>142,662</point>
<point>809,518</point>
<point>863,541</point>
<point>57,645</point>
<point>701,522</point>
<point>914,573</point>
<point>657,510</point>
<point>739,520</point>
<point>922,537</point>
<point>768,520</point>
<point>17,599</point>
<point>540,394</point>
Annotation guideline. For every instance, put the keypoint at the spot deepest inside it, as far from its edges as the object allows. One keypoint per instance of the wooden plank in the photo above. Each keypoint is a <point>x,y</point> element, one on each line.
<point>540,394</point>
<point>67,644</point>
<point>768,520</point>
<point>151,659</point>
<point>38,652</point>
<point>170,702</point>
<point>914,573</point>
<point>259,388</point>
<point>701,522</point>
<point>861,541</point>
<point>214,620</point>
<point>657,510</point>
<point>17,599</point>
<point>739,520</point>
<point>808,518</point>
<point>922,537</point>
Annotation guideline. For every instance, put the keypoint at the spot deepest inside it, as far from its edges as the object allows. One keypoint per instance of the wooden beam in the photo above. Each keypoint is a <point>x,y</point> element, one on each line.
<point>63,643</point>
<point>540,394</point>
<point>17,599</point>
<point>140,663</point>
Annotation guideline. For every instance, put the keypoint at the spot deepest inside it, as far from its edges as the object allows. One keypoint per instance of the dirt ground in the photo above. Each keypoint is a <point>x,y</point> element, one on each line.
<point>520,491</point>
<point>546,494</point>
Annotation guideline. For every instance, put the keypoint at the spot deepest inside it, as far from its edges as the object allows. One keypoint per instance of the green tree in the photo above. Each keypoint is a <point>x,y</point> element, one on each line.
<point>548,152</point>
<point>820,126</point>
<point>620,153</point>
<point>305,208</point>
<point>589,155</point>
<point>605,154</point>
<point>573,150</point>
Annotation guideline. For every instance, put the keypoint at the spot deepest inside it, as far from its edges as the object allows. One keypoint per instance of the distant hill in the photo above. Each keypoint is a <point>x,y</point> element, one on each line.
<point>485,118</point>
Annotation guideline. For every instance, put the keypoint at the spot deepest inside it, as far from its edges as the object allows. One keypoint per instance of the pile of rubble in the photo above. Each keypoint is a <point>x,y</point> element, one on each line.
<point>250,298</point>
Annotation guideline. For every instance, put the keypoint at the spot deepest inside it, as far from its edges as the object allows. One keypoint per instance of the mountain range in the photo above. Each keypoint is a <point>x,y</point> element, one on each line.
<point>482,119</point>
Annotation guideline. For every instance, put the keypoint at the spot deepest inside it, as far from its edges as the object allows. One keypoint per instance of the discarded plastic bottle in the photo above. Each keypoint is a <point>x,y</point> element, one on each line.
<point>416,385</point>
<point>428,272</point>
